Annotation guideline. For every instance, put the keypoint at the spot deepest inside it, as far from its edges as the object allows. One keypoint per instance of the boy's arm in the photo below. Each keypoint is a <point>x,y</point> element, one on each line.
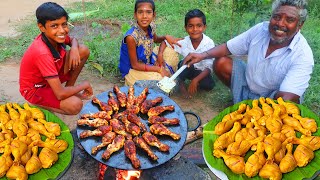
<point>171,40</point>
<point>193,87</point>
<point>62,92</point>
<point>74,60</point>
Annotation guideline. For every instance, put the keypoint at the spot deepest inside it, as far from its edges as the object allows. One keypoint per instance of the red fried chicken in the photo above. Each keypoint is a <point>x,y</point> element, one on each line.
<point>106,140</point>
<point>99,114</point>
<point>129,126</point>
<point>131,153</point>
<point>155,111</point>
<point>130,99</point>
<point>122,97</point>
<point>142,97</point>
<point>154,141</point>
<point>119,128</point>
<point>113,102</point>
<point>143,145</point>
<point>147,104</point>
<point>163,120</point>
<point>92,123</point>
<point>116,145</point>
<point>161,129</point>
<point>100,131</point>
<point>104,106</point>
<point>135,119</point>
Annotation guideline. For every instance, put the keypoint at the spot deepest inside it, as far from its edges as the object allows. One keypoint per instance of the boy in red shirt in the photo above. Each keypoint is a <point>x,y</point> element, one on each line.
<point>46,64</point>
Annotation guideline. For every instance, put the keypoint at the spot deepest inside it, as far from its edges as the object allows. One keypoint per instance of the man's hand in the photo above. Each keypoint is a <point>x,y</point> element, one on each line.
<point>193,58</point>
<point>74,59</point>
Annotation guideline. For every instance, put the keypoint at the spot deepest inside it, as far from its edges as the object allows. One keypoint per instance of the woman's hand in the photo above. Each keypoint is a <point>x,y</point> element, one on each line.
<point>164,72</point>
<point>160,61</point>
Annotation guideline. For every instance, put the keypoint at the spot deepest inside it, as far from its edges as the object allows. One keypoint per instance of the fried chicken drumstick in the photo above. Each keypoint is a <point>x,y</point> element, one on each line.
<point>106,140</point>
<point>100,131</point>
<point>119,128</point>
<point>122,97</point>
<point>116,145</point>
<point>131,153</point>
<point>142,97</point>
<point>97,122</point>
<point>143,145</point>
<point>154,141</point>
<point>130,99</point>
<point>155,111</point>
<point>163,120</point>
<point>113,102</point>
<point>104,106</point>
<point>161,129</point>
<point>136,120</point>
<point>130,127</point>
<point>147,104</point>
<point>99,114</point>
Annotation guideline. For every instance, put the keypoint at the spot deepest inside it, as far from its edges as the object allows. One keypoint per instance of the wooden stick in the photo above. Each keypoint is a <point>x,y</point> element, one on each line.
<point>194,135</point>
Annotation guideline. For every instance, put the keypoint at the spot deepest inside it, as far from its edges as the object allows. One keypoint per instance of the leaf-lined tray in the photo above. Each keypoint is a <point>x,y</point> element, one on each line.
<point>217,166</point>
<point>65,157</point>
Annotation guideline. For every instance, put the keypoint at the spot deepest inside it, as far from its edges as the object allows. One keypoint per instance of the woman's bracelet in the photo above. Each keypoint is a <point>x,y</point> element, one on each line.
<point>160,69</point>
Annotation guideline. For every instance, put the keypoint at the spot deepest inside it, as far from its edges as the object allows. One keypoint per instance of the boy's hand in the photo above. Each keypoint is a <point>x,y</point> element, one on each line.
<point>193,87</point>
<point>74,59</point>
<point>172,40</point>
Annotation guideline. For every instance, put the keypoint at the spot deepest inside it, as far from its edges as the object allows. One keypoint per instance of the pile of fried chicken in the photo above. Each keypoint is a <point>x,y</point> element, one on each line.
<point>270,129</point>
<point>119,126</point>
<point>23,151</point>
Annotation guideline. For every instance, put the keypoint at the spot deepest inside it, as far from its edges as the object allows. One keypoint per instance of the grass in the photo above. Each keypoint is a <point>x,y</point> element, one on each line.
<point>105,45</point>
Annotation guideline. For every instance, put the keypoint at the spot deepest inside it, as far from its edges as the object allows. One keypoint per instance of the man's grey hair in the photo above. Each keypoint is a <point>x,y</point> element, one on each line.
<point>300,4</point>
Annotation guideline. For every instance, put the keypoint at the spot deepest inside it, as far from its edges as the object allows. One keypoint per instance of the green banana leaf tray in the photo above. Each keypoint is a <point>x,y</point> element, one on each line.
<point>217,166</point>
<point>65,157</point>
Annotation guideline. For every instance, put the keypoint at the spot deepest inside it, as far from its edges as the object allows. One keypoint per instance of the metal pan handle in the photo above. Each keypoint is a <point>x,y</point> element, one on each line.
<point>198,119</point>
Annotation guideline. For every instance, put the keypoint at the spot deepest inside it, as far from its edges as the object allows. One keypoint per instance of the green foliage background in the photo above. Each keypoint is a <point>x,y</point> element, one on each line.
<point>225,19</point>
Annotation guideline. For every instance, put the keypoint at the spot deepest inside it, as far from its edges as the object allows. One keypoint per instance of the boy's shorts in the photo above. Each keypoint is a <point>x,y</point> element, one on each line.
<point>239,86</point>
<point>44,96</point>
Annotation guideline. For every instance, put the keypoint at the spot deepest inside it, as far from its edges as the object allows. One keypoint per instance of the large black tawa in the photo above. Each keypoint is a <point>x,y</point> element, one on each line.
<point>118,159</point>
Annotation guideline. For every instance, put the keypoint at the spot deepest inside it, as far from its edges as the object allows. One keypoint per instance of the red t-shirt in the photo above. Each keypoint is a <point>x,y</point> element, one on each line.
<point>38,64</point>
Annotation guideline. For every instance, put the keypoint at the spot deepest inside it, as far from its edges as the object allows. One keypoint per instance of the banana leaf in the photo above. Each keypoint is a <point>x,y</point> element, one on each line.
<point>65,157</point>
<point>311,171</point>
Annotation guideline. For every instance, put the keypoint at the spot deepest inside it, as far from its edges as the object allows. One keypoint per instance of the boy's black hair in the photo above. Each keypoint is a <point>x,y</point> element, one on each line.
<point>194,13</point>
<point>50,11</point>
<point>144,1</point>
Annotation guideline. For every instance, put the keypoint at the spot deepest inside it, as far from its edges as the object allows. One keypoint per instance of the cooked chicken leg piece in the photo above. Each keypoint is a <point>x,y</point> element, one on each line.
<point>103,106</point>
<point>272,146</point>
<point>99,114</point>
<point>231,115</point>
<point>21,110</point>
<point>271,171</point>
<point>36,112</point>
<point>57,145</point>
<point>116,145</point>
<point>227,138</point>
<point>163,120</point>
<point>48,157</point>
<point>288,131</point>
<point>113,102</point>
<point>92,123</point>
<point>135,119</point>
<point>154,141</point>
<point>130,127</point>
<point>122,97</point>
<point>256,112</point>
<point>290,107</point>
<point>41,129</point>
<point>293,122</point>
<point>143,145</point>
<point>161,129</point>
<point>267,110</point>
<point>51,127</point>
<point>119,128</point>
<point>100,131</point>
<point>131,153</point>
<point>240,148</point>
<point>274,122</point>
<point>155,111</point>
<point>235,163</point>
<point>303,155</point>
<point>130,99</point>
<point>225,126</point>
<point>311,142</point>
<point>34,164</point>
<point>14,115</point>
<point>106,140</point>
<point>255,162</point>
<point>307,123</point>
<point>147,104</point>
<point>17,171</point>
<point>288,163</point>
<point>142,97</point>
<point>273,104</point>
<point>247,133</point>
<point>5,161</point>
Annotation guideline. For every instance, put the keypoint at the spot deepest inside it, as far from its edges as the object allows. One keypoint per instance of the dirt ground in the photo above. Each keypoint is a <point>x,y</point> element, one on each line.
<point>14,11</point>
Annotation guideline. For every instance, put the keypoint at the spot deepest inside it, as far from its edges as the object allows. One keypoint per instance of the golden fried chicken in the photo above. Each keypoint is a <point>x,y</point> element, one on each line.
<point>274,122</point>
<point>106,140</point>
<point>273,104</point>
<point>227,138</point>
<point>271,171</point>
<point>311,142</point>
<point>271,146</point>
<point>142,97</point>
<point>14,115</point>
<point>4,117</point>
<point>288,131</point>
<point>246,117</point>
<point>255,161</point>
<point>33,134</point>
<point>26,156</point>
<point>288,163</point>
<point>6,133</point>
<point>307,123</point>
<point>57,145</point>
<point>103,106</point>
<point>235,163</point>
<point>36,112</point>
<point>51,127</point>
<point>303,155</point>
<point>131,153</point>
<point>223,127</point>
<point>231,115</point>
<point>41,129</point>
<point>48,157</point>
<point>247,133</point>
<point>240,148</point>
<point>116,145</point>
<point>21,110</point>
<point>267,110</point>
<point>92,123</point>
<point>143,145</point>
<point>256,112</point>
<point>34,164</point>
<point>5,161</point>
<point>130,99</point>
<point>136,120</point>
<point>290,107</point>
<point>155,111</point>
<point>18,148</point>
<point>17,171</point>
<point>154,141</point>
<point>122,97</point>
<point>163,120</point>
<point>20,126</point>
<point>147,104</point>
<point>119,128</point>
<point>99,114</point>
<point>113,102</point>
<point>100,131</point>
<point>293,122</point>
<point>161,129</point>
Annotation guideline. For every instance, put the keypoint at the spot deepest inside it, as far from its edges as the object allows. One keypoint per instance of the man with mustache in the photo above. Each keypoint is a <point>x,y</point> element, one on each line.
<point>280,61</point>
